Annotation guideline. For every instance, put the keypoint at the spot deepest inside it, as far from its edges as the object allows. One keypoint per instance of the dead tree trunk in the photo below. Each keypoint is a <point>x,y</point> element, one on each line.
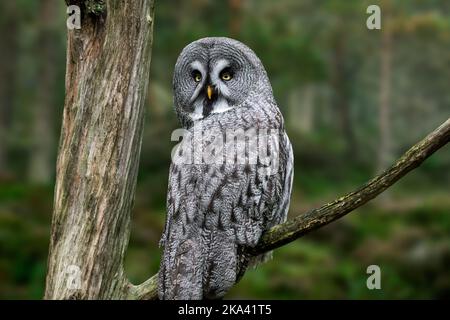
<point>108,62</point>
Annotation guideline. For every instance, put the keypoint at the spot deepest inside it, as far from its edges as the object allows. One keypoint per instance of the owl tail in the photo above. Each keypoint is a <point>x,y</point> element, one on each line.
<point>180,276</point>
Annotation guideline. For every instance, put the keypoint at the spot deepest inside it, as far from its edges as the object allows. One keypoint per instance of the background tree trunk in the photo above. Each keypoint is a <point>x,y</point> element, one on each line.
<point>40,166</point>
<point>385,145</point>
<point>108,63</point>
<point>8,61</point>
<point>340,79</point>
<point>301,111</point>
<point>235,24</point>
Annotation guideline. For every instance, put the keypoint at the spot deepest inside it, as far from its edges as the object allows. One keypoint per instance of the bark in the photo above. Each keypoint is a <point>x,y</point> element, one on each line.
<point>316,218</point>
<point>40,167</point>
<point>108,63</point>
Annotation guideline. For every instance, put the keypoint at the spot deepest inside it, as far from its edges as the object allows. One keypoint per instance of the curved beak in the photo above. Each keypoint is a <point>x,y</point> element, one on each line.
<point>209,92</point>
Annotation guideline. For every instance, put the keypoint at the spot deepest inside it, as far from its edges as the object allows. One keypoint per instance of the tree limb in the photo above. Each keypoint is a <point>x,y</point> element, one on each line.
<point>316,218</point>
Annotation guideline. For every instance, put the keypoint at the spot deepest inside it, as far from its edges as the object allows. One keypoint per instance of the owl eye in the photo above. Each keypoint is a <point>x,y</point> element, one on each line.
<point>226,75</point>
<point>197,76</point>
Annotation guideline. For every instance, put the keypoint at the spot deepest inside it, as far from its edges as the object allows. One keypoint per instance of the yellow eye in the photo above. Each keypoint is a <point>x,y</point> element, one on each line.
<point>226,76</point>
<point>197,76</point>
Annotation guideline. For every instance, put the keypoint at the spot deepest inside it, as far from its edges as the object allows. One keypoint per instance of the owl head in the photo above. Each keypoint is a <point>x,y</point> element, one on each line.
<point>214,75</point>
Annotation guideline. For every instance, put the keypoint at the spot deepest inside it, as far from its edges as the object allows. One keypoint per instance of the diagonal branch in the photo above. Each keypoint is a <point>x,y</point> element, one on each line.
<point>316,218</point>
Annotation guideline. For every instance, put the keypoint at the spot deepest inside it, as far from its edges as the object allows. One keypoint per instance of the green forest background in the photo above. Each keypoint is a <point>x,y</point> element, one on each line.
<point>353,99</point>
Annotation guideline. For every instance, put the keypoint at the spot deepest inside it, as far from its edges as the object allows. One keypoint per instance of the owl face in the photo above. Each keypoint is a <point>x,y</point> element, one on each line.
<point>213,75</point>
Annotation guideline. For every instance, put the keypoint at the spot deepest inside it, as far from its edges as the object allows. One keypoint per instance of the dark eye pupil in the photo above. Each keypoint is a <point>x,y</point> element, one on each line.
<point>197,76</point>
<point>226,74</point>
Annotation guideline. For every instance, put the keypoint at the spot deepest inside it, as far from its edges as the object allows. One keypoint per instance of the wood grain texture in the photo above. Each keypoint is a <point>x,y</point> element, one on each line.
<point>108,63</point>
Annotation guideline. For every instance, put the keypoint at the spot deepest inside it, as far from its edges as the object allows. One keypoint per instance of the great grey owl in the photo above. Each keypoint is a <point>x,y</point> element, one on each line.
<point>231,176</point>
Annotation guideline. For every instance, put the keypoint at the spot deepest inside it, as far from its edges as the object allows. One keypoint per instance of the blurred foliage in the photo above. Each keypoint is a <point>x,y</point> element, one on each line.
<point>324,65</point>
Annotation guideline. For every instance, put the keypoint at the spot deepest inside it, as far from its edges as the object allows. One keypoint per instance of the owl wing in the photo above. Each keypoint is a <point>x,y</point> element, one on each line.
<point>216,211</point>
<point>228,203</point>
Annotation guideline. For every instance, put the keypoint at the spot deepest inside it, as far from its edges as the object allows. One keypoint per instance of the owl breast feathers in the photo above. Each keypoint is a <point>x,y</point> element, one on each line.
<point>231,176</point>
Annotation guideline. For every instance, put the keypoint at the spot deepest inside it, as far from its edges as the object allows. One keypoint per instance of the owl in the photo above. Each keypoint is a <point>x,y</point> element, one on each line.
<point>231,175</point>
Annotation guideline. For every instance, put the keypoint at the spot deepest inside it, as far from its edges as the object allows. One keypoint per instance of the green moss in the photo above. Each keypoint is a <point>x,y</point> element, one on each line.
<point>96,7</point>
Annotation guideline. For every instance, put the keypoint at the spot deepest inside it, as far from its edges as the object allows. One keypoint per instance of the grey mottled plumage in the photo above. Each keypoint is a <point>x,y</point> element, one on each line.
<point>217,210</point>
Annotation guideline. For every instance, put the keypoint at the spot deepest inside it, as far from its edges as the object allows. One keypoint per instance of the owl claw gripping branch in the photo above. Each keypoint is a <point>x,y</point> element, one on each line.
<point>216,211</point>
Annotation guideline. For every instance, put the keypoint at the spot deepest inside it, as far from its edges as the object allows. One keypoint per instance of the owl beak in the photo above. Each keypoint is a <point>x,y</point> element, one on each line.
<point>209,92</point>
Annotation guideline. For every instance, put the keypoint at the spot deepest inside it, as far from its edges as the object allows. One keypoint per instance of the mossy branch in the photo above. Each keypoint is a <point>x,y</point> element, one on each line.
<point>316,218</point>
